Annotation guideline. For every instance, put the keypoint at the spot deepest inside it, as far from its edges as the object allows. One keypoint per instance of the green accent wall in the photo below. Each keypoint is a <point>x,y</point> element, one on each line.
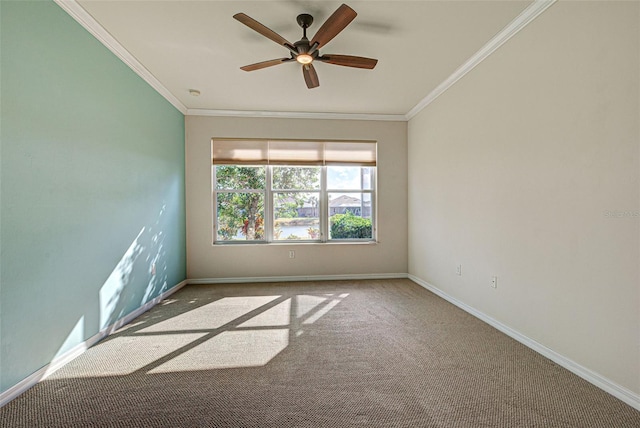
<point>91,190</point>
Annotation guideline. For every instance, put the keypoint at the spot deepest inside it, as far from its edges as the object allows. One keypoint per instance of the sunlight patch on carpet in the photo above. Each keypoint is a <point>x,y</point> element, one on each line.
<point>230,349</point>
<point>133,353</point>
<point>212,315</point>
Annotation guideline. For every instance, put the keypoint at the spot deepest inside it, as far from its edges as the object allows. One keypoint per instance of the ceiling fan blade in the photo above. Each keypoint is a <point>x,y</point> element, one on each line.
<point>265,64</point>
<point>310,76</point>
<point>349,61</point>
<point>333,25</point>
<point>265,31</point>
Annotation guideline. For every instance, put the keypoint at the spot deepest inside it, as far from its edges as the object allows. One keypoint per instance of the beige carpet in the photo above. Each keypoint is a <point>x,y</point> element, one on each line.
<point>382,353</point>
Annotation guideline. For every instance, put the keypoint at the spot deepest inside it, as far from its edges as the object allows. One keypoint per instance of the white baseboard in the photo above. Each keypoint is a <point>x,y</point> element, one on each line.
<point>345,277</point>
<point>80,348</point>
<point>618,391</point>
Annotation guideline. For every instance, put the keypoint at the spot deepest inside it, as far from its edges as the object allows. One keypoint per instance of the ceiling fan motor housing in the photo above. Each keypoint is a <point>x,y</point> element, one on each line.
<point>302,46</point>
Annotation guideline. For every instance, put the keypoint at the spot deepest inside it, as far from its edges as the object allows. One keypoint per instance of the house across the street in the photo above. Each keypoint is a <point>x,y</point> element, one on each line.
<point>340,205</point>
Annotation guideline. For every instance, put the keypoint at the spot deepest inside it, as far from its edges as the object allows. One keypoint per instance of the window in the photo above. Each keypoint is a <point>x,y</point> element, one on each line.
<point>268,191</point>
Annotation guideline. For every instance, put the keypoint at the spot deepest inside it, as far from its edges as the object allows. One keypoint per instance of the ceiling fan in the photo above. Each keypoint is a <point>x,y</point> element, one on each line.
<point>305,52</point>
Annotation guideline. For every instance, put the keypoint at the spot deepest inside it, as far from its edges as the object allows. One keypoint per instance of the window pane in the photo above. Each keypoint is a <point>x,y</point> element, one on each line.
<point>350,216</point>
<point>240,177</point>
<point>367,178</point>
<point>296,216</point>
<point>240,216</point>
<point>349,177</point>
<point>296,178</point>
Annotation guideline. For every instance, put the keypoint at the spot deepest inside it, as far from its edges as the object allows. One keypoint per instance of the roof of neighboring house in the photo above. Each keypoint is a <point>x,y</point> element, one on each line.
<point>341,201</point>
<point>345,201</point>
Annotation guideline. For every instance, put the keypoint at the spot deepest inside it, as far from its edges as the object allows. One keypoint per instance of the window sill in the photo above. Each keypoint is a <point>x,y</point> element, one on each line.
<point>289,243</point>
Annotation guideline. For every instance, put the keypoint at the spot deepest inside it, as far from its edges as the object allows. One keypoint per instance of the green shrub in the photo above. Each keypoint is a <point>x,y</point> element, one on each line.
<point>349,226</point>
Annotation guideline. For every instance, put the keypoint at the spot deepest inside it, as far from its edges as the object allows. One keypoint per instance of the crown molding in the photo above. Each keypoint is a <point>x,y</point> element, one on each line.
<point>90,24</point>
<point>521,21</point>
<point>87,21</point>
<point>298,115</point>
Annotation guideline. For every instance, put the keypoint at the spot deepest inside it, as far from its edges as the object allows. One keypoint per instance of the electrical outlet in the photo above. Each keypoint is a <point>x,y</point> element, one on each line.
<point>459,270</point>
<point>494,282</point>
<point>292,254</point>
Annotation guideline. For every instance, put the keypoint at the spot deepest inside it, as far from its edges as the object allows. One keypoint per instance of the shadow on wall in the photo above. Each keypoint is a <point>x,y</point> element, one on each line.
<point>99,272</point>
<point>145,261</point>
<point>145,258</point>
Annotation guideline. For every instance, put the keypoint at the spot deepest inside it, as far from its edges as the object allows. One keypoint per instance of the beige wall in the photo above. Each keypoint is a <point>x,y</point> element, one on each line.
<point>512,172</point>
<point>389,255</point>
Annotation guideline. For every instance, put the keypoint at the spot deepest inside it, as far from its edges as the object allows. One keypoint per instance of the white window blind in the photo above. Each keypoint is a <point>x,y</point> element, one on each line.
<point>291,152</point>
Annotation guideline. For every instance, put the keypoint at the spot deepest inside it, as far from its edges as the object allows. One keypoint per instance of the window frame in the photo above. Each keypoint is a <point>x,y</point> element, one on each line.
<point>323,207</point>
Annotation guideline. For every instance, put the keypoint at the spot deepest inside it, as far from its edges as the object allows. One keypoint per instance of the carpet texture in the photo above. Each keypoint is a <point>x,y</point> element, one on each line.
<point>383,353</point>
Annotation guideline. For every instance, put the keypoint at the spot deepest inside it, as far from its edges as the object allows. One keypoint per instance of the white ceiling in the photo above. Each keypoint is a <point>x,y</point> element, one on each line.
<point>198,45</point>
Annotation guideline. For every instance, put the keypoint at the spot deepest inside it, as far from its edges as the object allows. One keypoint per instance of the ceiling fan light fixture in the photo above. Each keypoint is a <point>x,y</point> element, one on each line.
<point>304,59</point>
